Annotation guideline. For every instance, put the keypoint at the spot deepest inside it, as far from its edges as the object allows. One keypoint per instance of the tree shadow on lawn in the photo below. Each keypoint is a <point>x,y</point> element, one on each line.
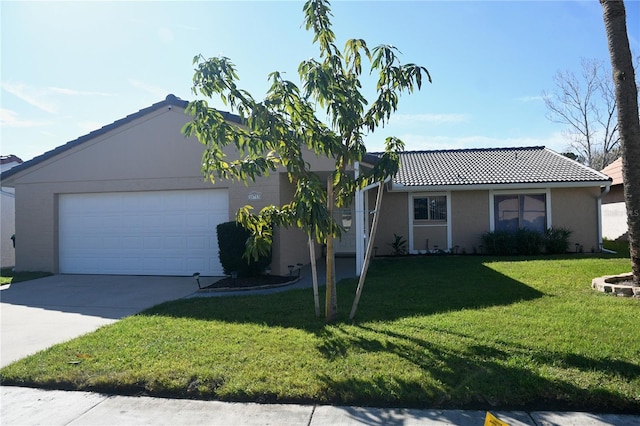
<point>478,377</point>
<point>473,375</point>
<point>395,288</point>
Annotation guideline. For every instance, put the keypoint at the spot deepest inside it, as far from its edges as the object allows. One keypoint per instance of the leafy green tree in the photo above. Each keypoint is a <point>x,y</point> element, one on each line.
<point>278,128</point>
<point>614,16</point>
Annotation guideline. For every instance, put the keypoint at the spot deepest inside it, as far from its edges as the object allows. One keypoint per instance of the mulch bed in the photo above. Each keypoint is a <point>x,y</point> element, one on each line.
<point>247,283</point>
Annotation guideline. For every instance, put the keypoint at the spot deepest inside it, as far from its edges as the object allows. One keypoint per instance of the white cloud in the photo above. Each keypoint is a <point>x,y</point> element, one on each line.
<point>73,92</point>
<point>157,92</point>
<point>537,98</point>
<point>31,95</point>
<point>165,35</point>
<point>405,119</point>
<point>10,118</point>
<point>44,98</point>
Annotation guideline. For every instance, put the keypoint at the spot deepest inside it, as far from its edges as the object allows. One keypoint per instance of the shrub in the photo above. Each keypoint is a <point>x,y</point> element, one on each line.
<point>232,239</point>
<point>501,243</point>
<point>528,242</point>
<point>556,240</point>
<point>399,245</point>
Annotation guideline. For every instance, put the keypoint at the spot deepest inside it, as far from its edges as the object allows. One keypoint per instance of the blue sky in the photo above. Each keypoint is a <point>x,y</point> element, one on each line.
<point>71,67</point>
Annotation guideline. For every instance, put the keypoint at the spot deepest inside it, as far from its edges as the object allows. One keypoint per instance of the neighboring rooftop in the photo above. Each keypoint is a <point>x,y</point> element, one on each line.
<point>614,171</point>
<point>491,166</point>
<point>6,159</point>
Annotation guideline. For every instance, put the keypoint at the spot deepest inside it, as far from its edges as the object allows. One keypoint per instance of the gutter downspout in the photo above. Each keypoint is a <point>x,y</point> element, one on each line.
<point>604,192</point>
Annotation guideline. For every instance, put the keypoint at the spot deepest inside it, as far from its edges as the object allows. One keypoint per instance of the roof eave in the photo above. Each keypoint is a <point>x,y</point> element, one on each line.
<point>8,177</point>
<point>398,187</point>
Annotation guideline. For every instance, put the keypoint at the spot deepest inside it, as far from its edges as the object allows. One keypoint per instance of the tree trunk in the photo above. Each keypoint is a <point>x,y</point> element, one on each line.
<point>331,300</point>
<point>628,121</point>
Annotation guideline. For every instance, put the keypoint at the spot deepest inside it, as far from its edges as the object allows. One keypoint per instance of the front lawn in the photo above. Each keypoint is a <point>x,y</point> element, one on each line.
<point>8,276</point>
<point>463,332</point>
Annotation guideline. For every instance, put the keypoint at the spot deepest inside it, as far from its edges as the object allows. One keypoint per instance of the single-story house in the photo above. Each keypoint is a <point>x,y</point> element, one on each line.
<point>7,218</point>
<point>129,198</point>
<point>447,199</point>
<point>614,210</point>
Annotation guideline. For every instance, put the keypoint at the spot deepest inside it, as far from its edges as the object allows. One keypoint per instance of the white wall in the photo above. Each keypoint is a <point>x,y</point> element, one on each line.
<point>614,220</point>
<point>7,221</point>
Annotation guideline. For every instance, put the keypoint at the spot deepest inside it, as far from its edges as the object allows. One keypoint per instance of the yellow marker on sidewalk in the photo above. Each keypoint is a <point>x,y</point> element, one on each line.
<point>491,420</point>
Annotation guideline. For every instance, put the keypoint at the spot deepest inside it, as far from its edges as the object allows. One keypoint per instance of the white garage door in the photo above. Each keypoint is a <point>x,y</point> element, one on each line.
<point>141,233</point>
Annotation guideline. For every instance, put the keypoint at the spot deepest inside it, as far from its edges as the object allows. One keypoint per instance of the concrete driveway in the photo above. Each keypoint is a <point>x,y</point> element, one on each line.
<point>39,313</point>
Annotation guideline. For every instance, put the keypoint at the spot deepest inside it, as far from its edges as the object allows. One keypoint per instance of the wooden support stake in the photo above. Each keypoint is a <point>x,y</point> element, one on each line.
<point>367,257</point>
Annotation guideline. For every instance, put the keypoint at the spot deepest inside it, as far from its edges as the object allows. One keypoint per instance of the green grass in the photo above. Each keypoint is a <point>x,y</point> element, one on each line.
<point>620,247</point>
<point>463,332</point>
<point>7,276</point>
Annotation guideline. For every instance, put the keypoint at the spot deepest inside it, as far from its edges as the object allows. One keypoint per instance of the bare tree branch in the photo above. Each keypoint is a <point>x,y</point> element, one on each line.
<point>586,106</point>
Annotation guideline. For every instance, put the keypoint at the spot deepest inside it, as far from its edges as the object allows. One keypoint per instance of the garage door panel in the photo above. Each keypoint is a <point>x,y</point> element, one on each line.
<point>144,233</point>
<point>153,243</point>
<point>197,243</point>
<point>134,243</point>
<point>177,242</point>
<point>199,221</point>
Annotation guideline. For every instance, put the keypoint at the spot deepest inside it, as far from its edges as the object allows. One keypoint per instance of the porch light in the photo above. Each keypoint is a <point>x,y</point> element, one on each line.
<point>347,219</point>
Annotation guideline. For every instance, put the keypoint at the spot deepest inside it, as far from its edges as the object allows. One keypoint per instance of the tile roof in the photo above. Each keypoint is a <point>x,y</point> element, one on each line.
<point>491,166</point>
<point>6,159</point>
<point>170,100</point>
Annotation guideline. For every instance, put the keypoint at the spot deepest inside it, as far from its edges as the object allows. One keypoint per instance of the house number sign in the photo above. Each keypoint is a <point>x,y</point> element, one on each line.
<point>254,196</point>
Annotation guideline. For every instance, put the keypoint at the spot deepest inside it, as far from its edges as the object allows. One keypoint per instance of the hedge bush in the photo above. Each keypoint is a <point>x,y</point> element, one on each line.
<point>556,240</point>
<point>232,239</point>
<point>500,243</point>
<point>526,242</point>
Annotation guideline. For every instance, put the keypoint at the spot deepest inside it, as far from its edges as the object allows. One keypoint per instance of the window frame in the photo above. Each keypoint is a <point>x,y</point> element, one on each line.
<point>430,211</point>
<point>424,223</point>
<point>493,213</point>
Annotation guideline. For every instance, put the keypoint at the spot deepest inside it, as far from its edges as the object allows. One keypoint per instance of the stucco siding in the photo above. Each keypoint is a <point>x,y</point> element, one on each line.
<point>146,154</point>
<point>470,219</point>
<point>394,218</point>
<point>7,215</point>
<point>36,228</point>
<point>615,195</point>
<point>290,246</point>
<point>7,227</point>
<point>429,238</point>
<point>577,210</point>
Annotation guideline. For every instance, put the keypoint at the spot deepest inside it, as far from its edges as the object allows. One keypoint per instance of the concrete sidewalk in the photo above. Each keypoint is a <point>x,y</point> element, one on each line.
<point>23,406</point>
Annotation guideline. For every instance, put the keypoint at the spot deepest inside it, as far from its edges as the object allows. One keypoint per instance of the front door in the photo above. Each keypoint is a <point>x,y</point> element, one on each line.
<point>347,243</point>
